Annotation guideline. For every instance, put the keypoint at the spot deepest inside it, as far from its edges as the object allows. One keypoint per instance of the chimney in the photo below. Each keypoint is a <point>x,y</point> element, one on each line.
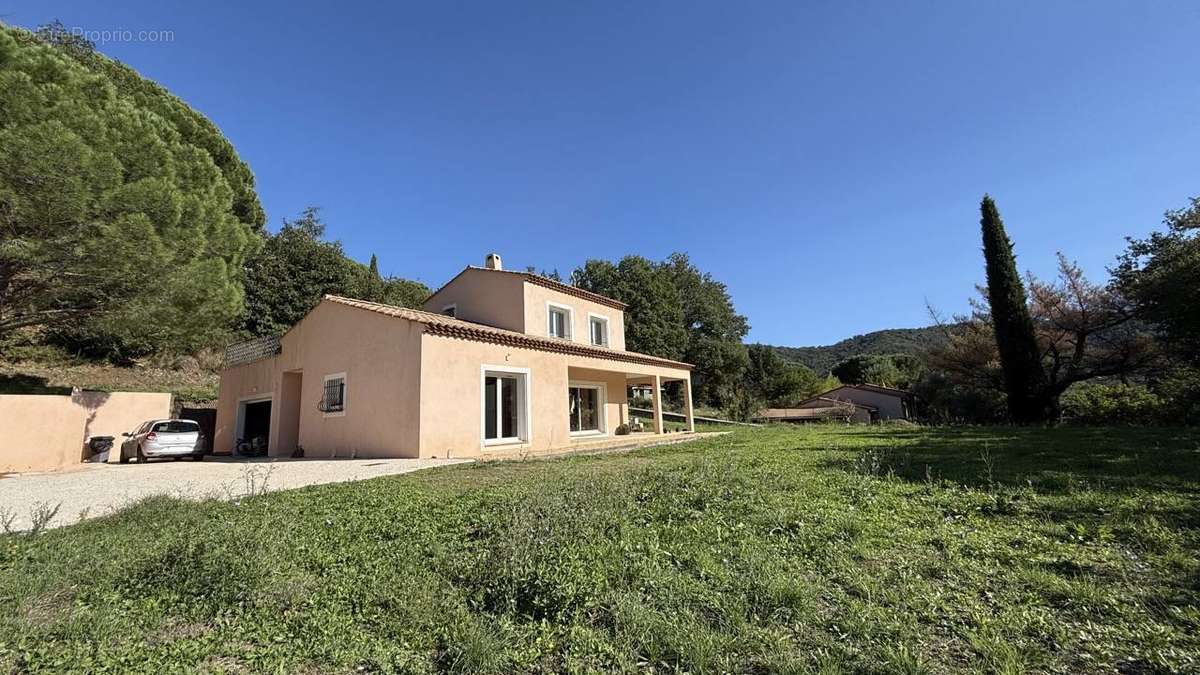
<point>492,262</point>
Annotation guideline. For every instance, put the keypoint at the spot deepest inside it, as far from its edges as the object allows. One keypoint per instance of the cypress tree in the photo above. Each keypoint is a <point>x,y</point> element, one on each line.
<point>373,289</point>
<point>1020,360</point>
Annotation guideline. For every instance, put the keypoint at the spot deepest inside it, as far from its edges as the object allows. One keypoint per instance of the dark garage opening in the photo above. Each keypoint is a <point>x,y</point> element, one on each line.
<point>257,422</point>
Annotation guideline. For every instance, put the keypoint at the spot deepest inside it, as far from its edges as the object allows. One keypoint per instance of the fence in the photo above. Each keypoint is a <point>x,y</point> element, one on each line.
<point>680,417</point>
<point>252,350</point>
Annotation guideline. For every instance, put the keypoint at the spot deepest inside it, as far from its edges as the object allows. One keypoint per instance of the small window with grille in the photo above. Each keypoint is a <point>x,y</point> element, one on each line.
<point>333,401</point>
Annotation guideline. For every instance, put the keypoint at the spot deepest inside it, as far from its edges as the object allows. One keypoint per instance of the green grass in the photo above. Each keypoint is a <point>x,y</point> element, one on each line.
<point>818,549</point>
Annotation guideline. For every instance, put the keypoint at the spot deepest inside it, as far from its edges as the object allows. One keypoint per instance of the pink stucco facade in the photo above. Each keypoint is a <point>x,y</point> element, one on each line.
<point>415,382</point>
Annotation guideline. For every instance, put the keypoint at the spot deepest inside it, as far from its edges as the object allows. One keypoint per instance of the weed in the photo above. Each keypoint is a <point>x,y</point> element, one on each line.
<point>989,467</point>
<point>41,515</point>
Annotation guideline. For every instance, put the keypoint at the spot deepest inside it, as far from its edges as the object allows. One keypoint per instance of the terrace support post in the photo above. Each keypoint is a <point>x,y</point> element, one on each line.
<point>687,405</point>
<point>657,397</point>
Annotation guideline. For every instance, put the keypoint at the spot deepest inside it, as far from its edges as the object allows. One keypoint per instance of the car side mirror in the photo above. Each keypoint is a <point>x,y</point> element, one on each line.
<point>126,434</point>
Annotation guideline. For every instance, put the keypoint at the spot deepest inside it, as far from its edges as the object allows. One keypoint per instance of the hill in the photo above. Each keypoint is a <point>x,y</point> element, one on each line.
<point>891,341</point>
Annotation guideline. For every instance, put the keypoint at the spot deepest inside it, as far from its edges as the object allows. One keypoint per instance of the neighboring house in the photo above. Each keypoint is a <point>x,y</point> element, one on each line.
<point>851,402</point>
<point>498,361</point>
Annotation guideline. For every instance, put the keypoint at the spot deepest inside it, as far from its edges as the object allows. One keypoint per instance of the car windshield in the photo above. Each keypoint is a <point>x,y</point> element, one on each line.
<point>176,427</point>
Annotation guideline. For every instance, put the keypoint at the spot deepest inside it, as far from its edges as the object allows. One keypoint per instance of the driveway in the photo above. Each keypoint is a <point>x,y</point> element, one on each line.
<point>93,490</point>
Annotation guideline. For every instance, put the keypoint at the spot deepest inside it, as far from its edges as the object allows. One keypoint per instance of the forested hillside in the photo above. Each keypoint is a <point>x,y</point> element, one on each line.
<point>821,360</point>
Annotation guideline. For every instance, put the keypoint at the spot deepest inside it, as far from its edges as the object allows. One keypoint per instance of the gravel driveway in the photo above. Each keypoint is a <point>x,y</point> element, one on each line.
<point>93,490</point>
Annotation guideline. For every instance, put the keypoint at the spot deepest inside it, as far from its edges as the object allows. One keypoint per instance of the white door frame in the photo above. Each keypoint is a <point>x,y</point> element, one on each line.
<point>239,429</point>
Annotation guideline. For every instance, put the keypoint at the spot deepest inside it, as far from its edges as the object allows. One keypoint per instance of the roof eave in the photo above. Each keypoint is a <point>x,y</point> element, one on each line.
<point>457,328</point>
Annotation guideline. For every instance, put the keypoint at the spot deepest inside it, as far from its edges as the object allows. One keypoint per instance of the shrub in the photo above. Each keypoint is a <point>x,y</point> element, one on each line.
<point>1104,404</point>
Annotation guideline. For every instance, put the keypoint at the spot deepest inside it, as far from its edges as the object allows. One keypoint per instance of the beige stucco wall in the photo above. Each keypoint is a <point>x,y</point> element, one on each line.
<point>252,380</point>
<point>408,394</point>
<point>451,394</point>
<point>380,356</point>
<point>537,315</point>
<point>39,433</point>
<point>490,298</point>
<point>508,301</point>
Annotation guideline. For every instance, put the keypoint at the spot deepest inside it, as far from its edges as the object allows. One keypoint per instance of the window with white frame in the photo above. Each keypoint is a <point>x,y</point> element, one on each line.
<point>585,403</point>
<point>558,321</point>
<point>598,329</point>
<point>333,398</point>
<point>505,406</point>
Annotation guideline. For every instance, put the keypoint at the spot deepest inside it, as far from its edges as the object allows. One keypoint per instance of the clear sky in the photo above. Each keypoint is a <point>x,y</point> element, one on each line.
<point>823,159</point>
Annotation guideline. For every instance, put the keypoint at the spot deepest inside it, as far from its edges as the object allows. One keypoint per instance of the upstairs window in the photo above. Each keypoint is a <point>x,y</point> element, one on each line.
<point>450,311</point>
<point>333,400</point>
<point>558,321</point>
<point>598,328</point>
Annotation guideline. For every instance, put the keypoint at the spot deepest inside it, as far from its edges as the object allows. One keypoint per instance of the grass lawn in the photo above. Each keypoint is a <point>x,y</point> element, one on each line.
<point>818,549</point>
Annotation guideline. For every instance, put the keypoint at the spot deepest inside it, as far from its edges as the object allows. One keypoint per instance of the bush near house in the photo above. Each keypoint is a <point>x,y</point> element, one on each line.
<point>783,549</point>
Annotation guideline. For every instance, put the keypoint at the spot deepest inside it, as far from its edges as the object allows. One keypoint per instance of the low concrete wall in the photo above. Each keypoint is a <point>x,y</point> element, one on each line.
<point>39,433</point>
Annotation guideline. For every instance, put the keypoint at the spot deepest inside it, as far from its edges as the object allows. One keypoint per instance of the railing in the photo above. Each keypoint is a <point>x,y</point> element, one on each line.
<point>252,350</point>
<point>680,417</point>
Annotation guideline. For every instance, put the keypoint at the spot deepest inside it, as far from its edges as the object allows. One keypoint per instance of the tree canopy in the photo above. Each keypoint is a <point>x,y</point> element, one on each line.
<point>889,370</point>
<point>126,217</point>
<point>678,312</point>
<point>1161,275</point>
<point>777,383</point>
<point>653,312</point>
<point>297,266</point>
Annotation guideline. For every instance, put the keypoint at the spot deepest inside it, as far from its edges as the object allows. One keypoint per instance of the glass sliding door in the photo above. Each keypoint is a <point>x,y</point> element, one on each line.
<point>585,408</point>
<point>508,407</point>
<point>491,404</point>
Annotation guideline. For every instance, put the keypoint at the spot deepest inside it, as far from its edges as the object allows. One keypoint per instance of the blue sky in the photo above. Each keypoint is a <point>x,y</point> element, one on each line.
<point>825,160</point>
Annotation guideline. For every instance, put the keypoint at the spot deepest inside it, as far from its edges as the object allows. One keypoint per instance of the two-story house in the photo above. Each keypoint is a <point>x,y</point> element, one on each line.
<point>498,362</point>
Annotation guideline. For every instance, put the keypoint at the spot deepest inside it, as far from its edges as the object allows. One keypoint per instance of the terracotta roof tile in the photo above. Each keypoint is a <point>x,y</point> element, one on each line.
<point>445,326</point>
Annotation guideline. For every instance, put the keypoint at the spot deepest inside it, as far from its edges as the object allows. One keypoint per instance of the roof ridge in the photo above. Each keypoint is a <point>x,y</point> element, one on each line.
<point>879,386</point>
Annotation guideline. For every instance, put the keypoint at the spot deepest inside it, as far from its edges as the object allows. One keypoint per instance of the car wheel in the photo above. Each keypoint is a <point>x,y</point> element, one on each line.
<point>198,458</point>
<point>124,457</point>
<point>141,455</point>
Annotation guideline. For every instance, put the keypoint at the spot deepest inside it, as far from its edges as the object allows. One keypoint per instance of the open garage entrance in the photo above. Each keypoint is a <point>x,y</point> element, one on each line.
<point>254,423</point>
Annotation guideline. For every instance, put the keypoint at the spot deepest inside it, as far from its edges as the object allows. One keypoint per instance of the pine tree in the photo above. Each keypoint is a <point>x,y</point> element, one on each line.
<point>1020,360</point>
<point>126,216</point>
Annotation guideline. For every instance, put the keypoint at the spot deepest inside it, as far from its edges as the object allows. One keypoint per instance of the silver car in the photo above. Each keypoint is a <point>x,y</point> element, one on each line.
<point>164,438</point>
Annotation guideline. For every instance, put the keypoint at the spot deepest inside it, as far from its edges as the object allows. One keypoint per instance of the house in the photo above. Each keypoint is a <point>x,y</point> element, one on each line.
<point>850,402</point>
<point>497,362</point>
